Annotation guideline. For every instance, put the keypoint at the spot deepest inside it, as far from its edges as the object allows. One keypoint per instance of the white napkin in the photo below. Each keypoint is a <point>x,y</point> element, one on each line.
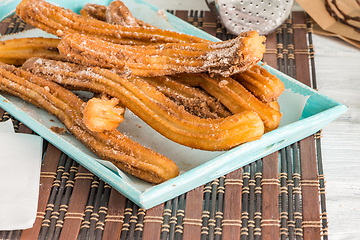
<point>20,163</point>
<point>6,127</point>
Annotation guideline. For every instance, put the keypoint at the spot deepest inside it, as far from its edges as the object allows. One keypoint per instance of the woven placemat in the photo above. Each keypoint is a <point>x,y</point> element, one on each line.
<point>281,196</point>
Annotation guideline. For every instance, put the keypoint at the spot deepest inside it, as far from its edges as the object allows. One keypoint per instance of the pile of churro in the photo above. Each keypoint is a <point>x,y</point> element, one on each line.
<point>205,95</point>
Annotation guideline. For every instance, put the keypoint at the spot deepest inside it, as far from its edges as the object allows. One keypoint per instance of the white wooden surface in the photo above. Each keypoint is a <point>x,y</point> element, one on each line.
<point>338,76</point>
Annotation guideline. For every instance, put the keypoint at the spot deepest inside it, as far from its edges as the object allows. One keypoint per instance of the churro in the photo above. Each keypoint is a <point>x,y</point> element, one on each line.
<point>220,58</point>
<point>93,10</point>
<point>258,80</point>
<point>51,18</point>
<point>101,114</point>
<point>54,19</point>
<point>195,100</point>
<point>116,13</point>
<point>153,107</point>
<point>112,145</point>
<point>261,83</point>
<point>16,51</point>
<point>234,97</point>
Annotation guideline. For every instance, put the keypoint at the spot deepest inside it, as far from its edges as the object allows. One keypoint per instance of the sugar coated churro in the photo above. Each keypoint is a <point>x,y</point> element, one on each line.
<point>153,107</point>
<point>52,18</point>
<point>234,97</point>
<point>67,107</point>
<point>258,80</point>
<point>101,114</point>
<point>221,58</point>
<point>261,83</point>
<point>201,94</point>
<point>116,13</point>
<point>16,51</point>
<point>93,10</point>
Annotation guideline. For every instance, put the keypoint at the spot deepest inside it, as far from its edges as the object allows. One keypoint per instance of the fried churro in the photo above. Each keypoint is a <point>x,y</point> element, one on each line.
<point>234,97</point>
<point>116,13</point>
<point>93,10</point>
<point>261,83</point>
<point>54,19</point>
<point>195,100</point>
<point>258,80</point>
<point>112,145</point>
<point>180,85</point>
<point>16,51</point>
<point>101,114</point>
<point>220,58</point>
<point>154,108</point>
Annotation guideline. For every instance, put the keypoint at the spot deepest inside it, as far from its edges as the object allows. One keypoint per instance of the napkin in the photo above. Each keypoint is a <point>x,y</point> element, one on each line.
<point>20,163</point>
<point>6,127</point>
<point>330,18</point>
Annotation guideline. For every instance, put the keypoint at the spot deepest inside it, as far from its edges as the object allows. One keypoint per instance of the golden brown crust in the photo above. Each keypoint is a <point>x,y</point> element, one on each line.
<point>220,58</point>
<point>195,100</point>
<point>66,106</point>
<point>116,13</point>
<point>16,51</point>
<point>261,83</point>
<point>213,130</point>
<point>96,11</point>
<point>275,105</point>
<point>155,108</point>
<point>100,114</point>
<point>234,97</point>
<point>53,19</point>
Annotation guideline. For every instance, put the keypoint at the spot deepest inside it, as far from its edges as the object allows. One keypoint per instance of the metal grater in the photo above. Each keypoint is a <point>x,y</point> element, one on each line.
<point>263,16</point>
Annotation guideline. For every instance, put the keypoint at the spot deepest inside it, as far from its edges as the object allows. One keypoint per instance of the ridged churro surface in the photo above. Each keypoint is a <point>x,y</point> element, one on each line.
<point>153,107</point>
<point>67,107</point>
<point>220,58</point>
<point>52,18</point>
<point>261,83</point>
<point>16,51</point>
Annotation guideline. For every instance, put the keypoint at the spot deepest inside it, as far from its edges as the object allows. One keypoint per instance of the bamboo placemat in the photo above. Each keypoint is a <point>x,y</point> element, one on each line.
<point>281,196</point>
